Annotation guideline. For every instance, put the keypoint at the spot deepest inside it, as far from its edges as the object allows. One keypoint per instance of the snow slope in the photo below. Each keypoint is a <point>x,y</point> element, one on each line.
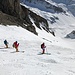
<point>62,50</point>
<point>61,61</point>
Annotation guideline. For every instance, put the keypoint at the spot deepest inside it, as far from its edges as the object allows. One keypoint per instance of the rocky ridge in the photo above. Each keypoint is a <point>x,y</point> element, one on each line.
<point>12,13</point>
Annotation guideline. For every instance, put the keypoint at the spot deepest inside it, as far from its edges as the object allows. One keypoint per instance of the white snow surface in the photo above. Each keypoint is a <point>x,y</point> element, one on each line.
<point>60,62</point>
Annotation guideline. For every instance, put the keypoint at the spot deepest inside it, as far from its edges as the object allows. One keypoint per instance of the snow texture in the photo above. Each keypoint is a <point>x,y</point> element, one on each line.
<point>28,61</point>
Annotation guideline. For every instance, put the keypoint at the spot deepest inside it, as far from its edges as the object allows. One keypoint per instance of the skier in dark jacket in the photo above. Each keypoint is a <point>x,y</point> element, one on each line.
<point>6,43</point>
<point>15,45</point>
<point>43,48</point>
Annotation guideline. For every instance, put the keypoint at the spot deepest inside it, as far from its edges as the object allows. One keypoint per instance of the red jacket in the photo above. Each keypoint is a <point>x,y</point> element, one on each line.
<point>16,44</point>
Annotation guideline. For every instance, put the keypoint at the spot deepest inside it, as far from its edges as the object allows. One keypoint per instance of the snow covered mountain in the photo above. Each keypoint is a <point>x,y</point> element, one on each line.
<point>43,5</point>
<point>48,5</point>
<point>58,13</point>
<point>51,15</point>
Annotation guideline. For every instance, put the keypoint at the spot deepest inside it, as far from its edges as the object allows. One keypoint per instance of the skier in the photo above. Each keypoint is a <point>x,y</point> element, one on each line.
<point>15,45</point>
<point>6,43</point>
<point>43,48</point>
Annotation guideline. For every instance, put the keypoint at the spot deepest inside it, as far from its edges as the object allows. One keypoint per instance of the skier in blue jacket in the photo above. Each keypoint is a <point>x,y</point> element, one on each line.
<point>6,43</point>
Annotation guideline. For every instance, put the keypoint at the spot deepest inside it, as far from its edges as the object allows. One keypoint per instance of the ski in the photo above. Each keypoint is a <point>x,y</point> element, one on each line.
<point>18,51</point>
<point>44,53</point>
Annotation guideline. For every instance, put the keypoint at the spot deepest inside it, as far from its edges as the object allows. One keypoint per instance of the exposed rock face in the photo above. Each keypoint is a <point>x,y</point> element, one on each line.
<point>11,7</point>
<point>12,13</point>
<point>37,19</point>
<point>71,35</point>
<point>8,19</point>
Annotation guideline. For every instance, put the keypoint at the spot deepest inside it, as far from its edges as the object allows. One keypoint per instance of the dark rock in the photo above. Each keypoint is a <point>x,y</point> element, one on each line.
<point>11,7</point>
<point>12,13</point>
<point>71,35</point>
<point>6,19</point>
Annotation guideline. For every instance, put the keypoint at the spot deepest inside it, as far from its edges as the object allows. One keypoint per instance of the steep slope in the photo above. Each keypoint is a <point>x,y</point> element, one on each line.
<point>53,5</point>
<point>43,5</point>
<point>58,21</point>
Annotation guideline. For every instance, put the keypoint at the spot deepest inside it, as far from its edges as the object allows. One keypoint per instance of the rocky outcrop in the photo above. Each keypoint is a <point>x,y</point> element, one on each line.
<point>11,7</point>
<point>12,13</point>
<point>36,18</point>
<point>6,19</point>
<point>71,35</point>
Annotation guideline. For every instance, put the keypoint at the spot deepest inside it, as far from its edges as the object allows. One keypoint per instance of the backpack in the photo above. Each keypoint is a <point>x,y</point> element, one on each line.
<point>41,45</point>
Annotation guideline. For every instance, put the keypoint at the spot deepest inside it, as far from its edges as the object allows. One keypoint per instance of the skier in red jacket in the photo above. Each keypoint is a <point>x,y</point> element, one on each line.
<point>43,48</point>
<point>15,44</point>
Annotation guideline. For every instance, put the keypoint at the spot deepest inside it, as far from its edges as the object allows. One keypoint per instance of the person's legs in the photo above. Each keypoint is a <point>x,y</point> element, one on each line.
<point>43,51</point>
<point>6,46</point>
<point>16,49</point>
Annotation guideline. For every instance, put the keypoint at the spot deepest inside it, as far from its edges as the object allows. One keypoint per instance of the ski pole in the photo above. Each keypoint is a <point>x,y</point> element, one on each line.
<point>46,50</point>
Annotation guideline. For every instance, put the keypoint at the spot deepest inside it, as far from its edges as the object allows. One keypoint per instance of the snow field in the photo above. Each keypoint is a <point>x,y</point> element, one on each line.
<point>61,61</point>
